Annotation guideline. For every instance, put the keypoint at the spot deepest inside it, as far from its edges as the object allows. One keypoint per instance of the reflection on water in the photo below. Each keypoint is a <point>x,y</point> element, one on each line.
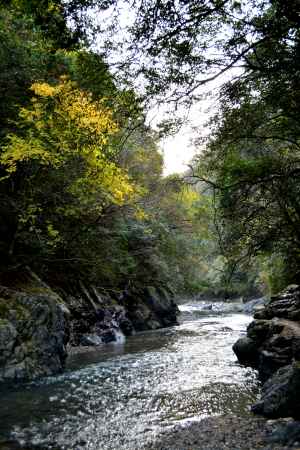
<point>121,395</point>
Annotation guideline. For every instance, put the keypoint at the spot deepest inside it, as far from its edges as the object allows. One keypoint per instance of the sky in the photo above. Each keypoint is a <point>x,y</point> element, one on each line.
<point>179,150</point>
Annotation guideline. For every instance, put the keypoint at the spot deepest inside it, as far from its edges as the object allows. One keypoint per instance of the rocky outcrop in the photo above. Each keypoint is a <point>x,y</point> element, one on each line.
<point>40,324</point>
<point>98,318</point>
<point>255,305</point>
<point>272,346</point>
<point>151,308</point>
<point>33,331</point>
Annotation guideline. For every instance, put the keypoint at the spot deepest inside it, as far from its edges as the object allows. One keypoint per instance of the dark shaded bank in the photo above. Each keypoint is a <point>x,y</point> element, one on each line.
<point>40,324</point>
<point>272,346</point>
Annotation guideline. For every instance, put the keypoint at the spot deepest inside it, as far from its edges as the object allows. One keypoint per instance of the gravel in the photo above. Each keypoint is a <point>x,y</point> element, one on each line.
<point>230,433</point>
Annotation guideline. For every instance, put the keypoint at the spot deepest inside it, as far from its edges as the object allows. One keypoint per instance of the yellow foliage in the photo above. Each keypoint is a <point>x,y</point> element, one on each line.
<point>140,214</point>
<point>53,236</point>
<point>65,128</point>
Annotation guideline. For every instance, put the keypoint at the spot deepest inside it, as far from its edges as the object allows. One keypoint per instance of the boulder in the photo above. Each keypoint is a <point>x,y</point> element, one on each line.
<point>33,334</point>
<point>269,345</point>
<point>246,351</point>
<point>281,394</point>
<point>151,308</point>
<point>272,346</point>
<point>254,305</point>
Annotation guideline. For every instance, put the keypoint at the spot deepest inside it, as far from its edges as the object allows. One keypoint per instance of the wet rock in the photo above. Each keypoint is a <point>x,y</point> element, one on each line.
<point>126,326</point>
<point>255,305</point>
<point>109,336</point>
<point>90,340</point>
<point>246,350</point>
<point>281,393</point>
<point>96,318</point>
<point>33,332</point>
<point>272,346</point>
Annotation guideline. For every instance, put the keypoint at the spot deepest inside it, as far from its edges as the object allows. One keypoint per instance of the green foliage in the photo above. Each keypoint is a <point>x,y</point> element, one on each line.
<point>81,185</point>
<point>81,181</point>
<point>253,154</point>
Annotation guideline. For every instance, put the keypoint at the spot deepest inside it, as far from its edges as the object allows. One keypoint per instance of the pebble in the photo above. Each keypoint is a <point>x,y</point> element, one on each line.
<point>223,433</point>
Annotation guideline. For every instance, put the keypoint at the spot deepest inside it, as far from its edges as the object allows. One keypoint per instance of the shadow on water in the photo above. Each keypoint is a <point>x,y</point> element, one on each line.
<point>118,396</point>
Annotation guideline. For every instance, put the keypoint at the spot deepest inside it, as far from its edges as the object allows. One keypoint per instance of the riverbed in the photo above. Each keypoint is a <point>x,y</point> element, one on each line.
<point>121,396</point>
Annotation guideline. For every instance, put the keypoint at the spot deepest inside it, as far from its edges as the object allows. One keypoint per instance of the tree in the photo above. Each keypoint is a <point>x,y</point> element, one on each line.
<point>253,151</point>
<point>63,133</point>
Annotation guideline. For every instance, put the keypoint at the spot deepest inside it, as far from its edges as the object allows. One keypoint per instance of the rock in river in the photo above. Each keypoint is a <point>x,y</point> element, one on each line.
<point>272,346</point>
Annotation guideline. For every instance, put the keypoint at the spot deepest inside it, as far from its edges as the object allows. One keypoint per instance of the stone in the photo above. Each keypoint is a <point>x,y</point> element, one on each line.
<point>33,333</point>
<point>254,305</point>
<point>246,350</point>
<point>272,346</point>
<point>281,394</point>
<point>91,340</point>
<point>8,335</point>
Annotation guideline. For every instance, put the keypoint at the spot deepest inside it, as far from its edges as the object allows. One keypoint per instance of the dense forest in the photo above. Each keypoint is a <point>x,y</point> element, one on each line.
<point>82,185</point>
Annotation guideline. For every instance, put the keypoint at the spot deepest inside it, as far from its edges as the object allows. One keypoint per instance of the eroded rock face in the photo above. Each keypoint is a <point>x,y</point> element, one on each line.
<point>33,334</point>
<point>97,318</point>
<point>151,308</point>
<point>272,346</point>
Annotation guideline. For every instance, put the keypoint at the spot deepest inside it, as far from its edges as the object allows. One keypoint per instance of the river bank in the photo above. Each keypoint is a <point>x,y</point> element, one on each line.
<point>231,433</point>
<point>42,323</point>
<point>272,346</point>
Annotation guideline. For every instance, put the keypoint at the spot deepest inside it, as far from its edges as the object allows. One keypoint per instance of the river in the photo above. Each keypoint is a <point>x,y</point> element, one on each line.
<point>122,395</point>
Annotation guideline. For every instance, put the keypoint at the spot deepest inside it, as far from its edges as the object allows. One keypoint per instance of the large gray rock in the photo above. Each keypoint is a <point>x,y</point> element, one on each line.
<point>281,394</point>
<point>33,333</point>
<point>151,308</point>
<point>269,345</point>
<point>255,305</point>
<point>246,350</point>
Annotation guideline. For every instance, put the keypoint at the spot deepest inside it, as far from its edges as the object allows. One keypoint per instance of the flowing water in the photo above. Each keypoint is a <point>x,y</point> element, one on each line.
<point>122,395</point>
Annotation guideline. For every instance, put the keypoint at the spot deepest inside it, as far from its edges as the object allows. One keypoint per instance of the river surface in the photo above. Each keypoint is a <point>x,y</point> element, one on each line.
<point>122,395</point>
